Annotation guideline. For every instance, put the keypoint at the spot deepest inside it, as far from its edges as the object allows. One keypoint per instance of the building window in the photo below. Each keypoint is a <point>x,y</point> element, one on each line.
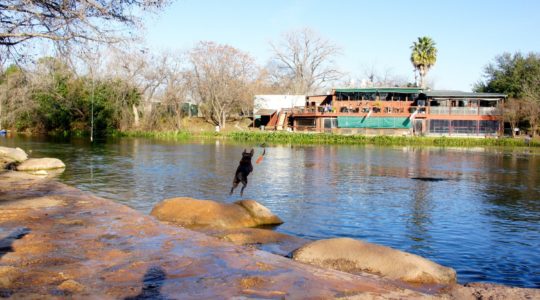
<point>464,126</point>
<point>330,123</point>
<point>488,127</point>
<point>305,122</point>
<point>439,126</point>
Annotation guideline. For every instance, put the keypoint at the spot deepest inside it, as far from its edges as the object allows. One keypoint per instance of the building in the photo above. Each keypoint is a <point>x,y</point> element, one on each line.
<point>401,111</point>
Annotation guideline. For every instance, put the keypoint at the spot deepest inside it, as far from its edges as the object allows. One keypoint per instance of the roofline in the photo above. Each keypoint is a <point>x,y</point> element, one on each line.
<point>385,89</point>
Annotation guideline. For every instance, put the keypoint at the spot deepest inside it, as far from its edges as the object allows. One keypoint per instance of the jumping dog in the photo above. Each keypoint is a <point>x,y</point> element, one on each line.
<point>244,168</point>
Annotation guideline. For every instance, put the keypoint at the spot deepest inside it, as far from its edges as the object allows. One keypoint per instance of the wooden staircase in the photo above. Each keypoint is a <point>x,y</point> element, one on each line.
<point>281,120</point>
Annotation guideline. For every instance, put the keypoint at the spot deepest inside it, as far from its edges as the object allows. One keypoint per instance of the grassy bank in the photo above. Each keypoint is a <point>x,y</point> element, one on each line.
<point>306,138</point>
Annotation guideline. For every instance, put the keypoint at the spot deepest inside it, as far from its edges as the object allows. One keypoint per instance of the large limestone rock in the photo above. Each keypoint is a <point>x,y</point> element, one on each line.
<point>16,154</point>
<point>259,212</point>
<point>355,256</point>
<point>35,164</point>
<point>193,213</point>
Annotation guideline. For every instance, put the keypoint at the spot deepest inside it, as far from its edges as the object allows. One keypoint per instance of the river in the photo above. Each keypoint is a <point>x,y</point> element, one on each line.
<point>476,210</point>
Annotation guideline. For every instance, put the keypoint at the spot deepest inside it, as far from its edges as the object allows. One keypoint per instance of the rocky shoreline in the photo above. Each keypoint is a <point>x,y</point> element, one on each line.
<point>57,241</point>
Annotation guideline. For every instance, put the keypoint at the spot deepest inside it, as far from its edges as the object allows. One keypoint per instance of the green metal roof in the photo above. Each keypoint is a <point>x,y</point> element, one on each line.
<point>381,90</point>
<point>460,94</point>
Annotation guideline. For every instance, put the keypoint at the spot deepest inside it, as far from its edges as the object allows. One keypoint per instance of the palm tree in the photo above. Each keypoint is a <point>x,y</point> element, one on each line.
<point>423,56</point>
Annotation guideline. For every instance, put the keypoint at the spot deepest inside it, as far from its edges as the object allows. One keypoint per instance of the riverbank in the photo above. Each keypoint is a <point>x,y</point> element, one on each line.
<point>280,137</point>
<point>57,241</point>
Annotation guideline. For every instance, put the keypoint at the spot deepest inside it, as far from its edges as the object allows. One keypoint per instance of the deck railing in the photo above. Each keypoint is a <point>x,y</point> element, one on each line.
<point>397,110</point>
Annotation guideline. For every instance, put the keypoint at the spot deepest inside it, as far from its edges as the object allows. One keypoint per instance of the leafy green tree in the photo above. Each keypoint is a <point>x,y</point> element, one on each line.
<point>17,110</point>
<point>504,75</point>
<point>52,98</point>
<point>423,57</point>
<point>518,76</point>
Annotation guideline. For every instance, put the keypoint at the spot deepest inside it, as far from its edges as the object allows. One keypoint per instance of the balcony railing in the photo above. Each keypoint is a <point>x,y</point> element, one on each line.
<point>398,110</point>
<point>490,111</point>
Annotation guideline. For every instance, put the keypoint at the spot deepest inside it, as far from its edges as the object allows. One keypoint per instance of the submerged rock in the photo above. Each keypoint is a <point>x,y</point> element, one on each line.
<point>36,164</point>
<point>355,256</point>
<point>194,213</point>
<point>263,239</point>
<point>16,154</point>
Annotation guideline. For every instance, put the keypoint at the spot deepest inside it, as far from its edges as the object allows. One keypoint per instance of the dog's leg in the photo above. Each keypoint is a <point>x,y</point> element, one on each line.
<point>244,184</point>
<point>234,185</point>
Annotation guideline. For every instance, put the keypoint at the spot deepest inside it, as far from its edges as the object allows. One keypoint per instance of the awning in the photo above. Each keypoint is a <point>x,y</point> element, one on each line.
<point>265,112</point>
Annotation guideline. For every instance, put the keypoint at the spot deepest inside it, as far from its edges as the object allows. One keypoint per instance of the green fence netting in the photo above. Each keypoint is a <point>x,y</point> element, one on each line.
<point>374,122</point>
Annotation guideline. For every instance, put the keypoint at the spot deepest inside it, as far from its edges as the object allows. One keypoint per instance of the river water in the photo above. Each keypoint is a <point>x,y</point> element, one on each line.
<point>473,209</point>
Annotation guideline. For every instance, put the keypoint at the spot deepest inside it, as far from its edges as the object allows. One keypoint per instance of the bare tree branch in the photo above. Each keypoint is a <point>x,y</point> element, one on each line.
<point>221,77</point>
<point>305,61</point>
<point>69,21</point>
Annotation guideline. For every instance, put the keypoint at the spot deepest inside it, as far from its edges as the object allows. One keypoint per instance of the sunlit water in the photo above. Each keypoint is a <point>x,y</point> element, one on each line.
<point>479,213</point>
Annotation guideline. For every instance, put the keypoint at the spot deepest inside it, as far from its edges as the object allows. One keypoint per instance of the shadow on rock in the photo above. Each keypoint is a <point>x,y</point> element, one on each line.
<point>152,282</point>
<point>6,243</point>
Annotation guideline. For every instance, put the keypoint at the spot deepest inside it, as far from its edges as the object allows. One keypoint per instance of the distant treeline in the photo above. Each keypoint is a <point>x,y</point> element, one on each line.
<point>135,91</point>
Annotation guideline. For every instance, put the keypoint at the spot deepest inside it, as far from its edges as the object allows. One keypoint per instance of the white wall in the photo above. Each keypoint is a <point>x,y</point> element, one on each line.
<point>278,102</point>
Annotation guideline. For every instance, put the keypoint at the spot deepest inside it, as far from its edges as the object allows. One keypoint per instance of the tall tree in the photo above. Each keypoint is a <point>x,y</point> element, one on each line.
<point>531,96</point>
<point>518,76</point>
<point>220,76</point>
<point>513,112</point>
<point>305,61</point>
<point>505,75</point>
<point>423,57</point>
<point>16,105</point>
<point>66,22</point>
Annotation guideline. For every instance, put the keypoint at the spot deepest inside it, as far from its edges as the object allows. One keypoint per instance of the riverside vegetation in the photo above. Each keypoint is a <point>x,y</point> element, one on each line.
<point>324,138</point>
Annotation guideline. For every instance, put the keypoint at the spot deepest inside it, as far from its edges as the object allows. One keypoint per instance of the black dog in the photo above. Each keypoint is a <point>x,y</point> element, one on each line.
<point>244,168</point>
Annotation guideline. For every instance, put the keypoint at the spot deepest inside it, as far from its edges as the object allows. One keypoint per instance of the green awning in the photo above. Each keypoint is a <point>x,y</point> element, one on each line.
<point>381,90</point>
<point>374,122</point>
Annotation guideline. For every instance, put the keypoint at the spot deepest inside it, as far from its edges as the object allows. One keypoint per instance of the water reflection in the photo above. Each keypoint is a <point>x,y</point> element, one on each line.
<point>482,218</point>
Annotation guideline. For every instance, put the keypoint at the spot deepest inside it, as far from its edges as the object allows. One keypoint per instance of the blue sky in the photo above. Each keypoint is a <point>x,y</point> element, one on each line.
<point>468,34</point>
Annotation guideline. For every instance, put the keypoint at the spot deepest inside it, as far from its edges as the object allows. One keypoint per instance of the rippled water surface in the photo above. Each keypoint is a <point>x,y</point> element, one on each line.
<point>475,210</point>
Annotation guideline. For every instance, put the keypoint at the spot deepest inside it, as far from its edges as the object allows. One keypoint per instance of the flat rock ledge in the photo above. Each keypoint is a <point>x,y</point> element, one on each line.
<point>194,213</point>
<point>57,242</point>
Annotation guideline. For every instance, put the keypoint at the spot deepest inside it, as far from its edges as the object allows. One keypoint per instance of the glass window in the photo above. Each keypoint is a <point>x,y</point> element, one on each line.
<point>330,123</point>
<point>309,122</point>
<point>439,126</point>
<point>488,127</point>
<point>464,126</point>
